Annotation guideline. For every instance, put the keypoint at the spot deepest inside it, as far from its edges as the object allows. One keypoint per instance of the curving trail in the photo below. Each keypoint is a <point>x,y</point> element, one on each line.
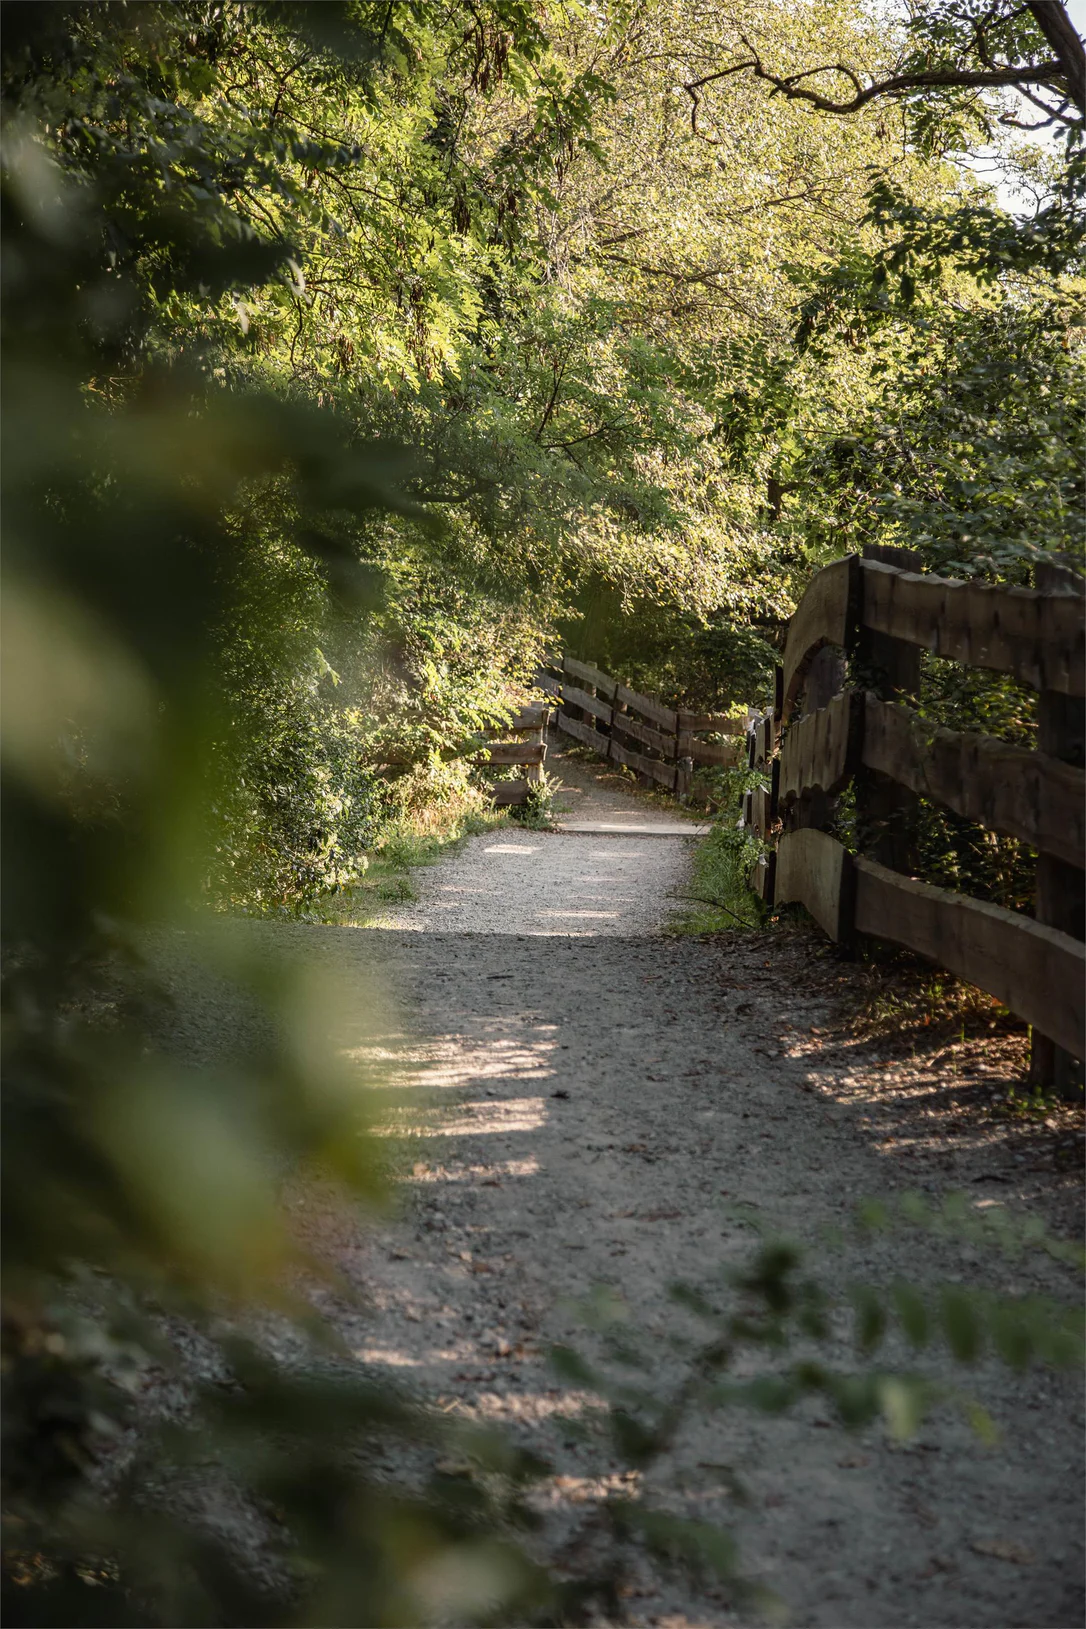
<point>584,1098</point>
<point>598,1094</point>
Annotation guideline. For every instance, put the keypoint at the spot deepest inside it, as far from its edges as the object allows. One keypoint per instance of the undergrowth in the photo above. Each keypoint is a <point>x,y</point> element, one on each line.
<point>537,812</point>
<point>719,895</point>
<point>402,847</point>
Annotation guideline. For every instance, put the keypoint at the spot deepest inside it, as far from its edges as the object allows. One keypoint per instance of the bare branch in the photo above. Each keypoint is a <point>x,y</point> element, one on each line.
<point>1053,72</point>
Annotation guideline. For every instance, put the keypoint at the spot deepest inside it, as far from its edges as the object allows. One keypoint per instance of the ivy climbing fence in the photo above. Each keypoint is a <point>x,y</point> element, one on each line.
<point>875,615</point>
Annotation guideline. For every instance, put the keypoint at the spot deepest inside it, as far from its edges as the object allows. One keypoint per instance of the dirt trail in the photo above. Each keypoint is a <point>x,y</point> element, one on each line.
<point>596,1095</point>
<point>601,1094</point>
<point>571,883</point>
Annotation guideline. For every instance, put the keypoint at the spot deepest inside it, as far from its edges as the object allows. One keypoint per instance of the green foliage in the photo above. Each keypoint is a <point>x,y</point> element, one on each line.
<point>720,898</point>
<point>250,255</point>
<point>537,811</point>
<point>967,448</point>
<point>766,1321</point>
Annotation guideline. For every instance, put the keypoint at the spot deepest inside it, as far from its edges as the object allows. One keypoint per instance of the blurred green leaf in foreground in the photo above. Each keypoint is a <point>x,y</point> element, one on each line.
<point>141,1183</point>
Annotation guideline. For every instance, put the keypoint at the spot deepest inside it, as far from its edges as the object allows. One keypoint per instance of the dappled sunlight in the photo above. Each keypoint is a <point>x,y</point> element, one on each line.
<point>532,1407</point>
<point>448,1062</point>
<point>489,1118</point>
<point>391,1357</point>
<point>457,1065</point>
<point>598,915</point>
<point>493,1172</point>
<point>929,1099</point>
<point>558,885</point>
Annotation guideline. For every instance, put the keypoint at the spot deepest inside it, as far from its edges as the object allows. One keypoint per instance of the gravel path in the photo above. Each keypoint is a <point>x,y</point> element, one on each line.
<point>597,1104</point>
<point>572,884</point>
<point>594,1097</point>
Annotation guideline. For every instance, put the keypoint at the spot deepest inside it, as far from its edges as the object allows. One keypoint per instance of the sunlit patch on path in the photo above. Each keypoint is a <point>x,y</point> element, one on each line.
<point>584,1106</point>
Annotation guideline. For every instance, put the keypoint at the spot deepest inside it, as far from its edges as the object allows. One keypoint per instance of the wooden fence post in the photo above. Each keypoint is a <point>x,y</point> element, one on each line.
<point>825,679</point>
<point>890,668</point>
<point>1061,888</point>
<point>587,717</point>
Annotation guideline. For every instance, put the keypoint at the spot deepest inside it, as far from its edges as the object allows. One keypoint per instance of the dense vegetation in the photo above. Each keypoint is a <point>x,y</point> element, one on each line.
<point>649,369</point>
<point>353,356</point>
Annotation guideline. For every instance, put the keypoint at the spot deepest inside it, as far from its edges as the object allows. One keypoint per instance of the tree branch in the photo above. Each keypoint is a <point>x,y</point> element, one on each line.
<point>1036,73</point>
<point>1059,32</point>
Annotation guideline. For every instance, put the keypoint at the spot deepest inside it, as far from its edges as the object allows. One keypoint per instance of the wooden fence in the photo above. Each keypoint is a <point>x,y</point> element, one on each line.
<point>529,749</point>
<point>819,737</point>
<point>661,743</point>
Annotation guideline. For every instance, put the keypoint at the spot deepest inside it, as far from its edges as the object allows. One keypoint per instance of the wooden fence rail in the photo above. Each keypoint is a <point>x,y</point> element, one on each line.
<point>661,743</point>
<point>879,611</point>
<point>530,722</point>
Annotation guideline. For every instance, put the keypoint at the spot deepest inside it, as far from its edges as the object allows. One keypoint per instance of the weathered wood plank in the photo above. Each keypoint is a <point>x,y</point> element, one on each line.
<point>1008,789</point>
<point>763,811</point>
<point>584,732</point>
<point>762,878</point>
<point>543,681</point>
<point>1060,898</point>
<point>822,749</point>
<point>663,773</point>
<point>886,812</point>
<point>645,734</point>
<point>627,756</point>
<point>825,678</point>
<point>576,697</point>
<point>664,716</point>
<point>514,752</point>
<point>825,616</point>
<point>1040,639</point>
<point>1036,971</point>
<point>815,871</point>
<point>719,723</point>
<point>503,792</point>
<point>529,718</point>
<point>587,674</point>
<point>761,740</point>
<point>708,752</point>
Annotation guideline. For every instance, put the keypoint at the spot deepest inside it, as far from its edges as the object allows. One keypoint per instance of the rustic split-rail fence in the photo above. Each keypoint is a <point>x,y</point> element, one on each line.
<point>529,750</point>
<point>661,743</point>
<point>822,735</point>
<point>841,719</point>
